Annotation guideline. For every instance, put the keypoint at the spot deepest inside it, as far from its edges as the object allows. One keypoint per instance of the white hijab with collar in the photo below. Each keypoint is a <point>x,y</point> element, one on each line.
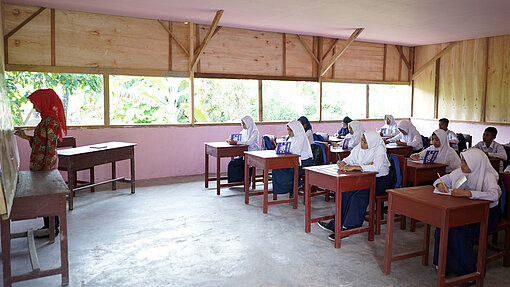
<point>250,128</point>
<point>299,142</point>
<point>358,130</point>
<point>409,128</point>
<point>367,156</point>
<point>392,120</point>
<point>444,148</point>
<point>480,167</point>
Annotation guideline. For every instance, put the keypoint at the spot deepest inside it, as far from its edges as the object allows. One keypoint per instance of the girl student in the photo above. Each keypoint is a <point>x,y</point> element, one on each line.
<point>283,179</point>
<point>250,137</point>
<point>369,155</point>
<point>390,127</point>
<point>344,130</point>
<point>407,136</point>
<point>354,137</point>
<point>447,155</point>
<point>475,179</point>
<point>44,141</point>
<point>308,128</point>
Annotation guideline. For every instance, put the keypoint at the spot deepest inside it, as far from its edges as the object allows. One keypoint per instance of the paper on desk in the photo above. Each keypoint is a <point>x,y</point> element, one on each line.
<point>443,193</point>
<point>391,145</point>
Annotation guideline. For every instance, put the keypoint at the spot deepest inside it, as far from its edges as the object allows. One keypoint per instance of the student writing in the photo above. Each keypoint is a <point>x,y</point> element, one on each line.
<point>446,154</point>
<point>407,136</point>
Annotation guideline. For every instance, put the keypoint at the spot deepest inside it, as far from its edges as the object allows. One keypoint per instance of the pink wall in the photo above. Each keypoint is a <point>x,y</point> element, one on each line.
<point>170,151</point>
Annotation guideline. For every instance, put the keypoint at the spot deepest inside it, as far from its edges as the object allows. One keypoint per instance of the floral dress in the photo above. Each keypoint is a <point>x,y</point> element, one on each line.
<point>44,145</point>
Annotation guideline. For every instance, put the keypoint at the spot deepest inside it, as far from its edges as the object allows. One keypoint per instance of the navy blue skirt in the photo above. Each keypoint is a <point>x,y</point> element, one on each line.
<point>283,178</point>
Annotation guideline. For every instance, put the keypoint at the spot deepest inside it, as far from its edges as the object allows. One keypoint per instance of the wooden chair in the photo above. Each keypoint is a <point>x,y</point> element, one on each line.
<point>469,140</point>
<point>504,225</point>
<point>316,191</point>
<point>70,142</point>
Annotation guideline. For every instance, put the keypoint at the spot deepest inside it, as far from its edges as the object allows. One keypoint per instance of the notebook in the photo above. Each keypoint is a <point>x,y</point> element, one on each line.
<point>236,137</point>
<point>456,185</point>
<point>283,147</point>
<point>430,156</point>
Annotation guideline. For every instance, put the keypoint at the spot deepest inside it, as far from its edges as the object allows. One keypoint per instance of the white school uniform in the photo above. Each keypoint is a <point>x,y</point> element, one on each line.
<point>250,135</point>
<point>355,138</point>
<point>391,129</point>
<point>494,150</point>
<point>413,137</point>
<point>447,155</point>
<point>299,142</point>
<point>372,159</point>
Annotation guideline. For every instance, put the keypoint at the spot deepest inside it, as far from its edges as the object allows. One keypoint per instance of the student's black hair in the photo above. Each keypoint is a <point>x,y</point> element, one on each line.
<point>492,130</point>
<point>445,120</point>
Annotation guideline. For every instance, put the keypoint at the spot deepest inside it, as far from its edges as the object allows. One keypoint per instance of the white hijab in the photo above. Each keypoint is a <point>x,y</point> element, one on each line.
<point>480,167</point>
<point>358,130</point>
<point>250,128</point>
<point>299,142</point>
<point>367,156</point>
<point>409,128</point>
<point>444,148</point>
<point>392,120</point>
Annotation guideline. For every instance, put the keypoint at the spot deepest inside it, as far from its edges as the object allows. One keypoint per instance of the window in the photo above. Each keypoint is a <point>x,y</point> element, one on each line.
<point>149,100</point>
<point>225,100</point>
<point>393,100</point>
<point>288,100</point>
<point>340,100</point>
<point>81,95</point>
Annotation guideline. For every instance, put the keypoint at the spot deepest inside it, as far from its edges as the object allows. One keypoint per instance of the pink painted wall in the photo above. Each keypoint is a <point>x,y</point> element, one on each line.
<point>170,151</point>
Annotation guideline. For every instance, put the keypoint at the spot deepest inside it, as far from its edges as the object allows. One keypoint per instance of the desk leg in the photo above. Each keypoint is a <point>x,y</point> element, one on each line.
<point>426,245</point>
<point>254,178</point>
<point>218,175</point>
<point>133,175</point>
<point>371,211</point>
<point>308,206</point>
<point>6,251</point>
<point>482,247</point>
<point>51,229</point>
<point>443,247</point>
<point>266,183</point>
<point>338,218</point>
<point>296,178</point>
<point>246,183</point>
<point>92,179</point>
<point>64,263</point>
<point>72,183</point>
<point>206,170</point>
<point>114,175</point>
<point>389,237</point>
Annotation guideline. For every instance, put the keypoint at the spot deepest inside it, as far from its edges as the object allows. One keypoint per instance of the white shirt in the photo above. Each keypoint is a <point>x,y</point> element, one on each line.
<point>452,158</point>
<point>378,163</point>
<point>452,138</point>
<point>416,143</point>
<point>494,150</point>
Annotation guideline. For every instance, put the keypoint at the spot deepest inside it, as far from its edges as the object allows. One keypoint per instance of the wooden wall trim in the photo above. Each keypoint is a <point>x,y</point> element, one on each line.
<point>174,37</point>
<point>436,89</point>
<point>384,62</point>
<point>261,102</point>
<point>106,100</point>
<point>433,60</point>
<point>253,77</point>
<point>483,117</point>
<point>347,81</point>
<point>90,70</point>
<point>284,54</point>
<point>53,58</point>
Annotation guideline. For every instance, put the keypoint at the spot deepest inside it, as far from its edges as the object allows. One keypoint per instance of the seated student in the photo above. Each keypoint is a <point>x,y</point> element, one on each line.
<point>481,183</point>
<point>507,169</point>
<point>408,136</point>
<point>344,130</point>
<point>308,128</point>
<point>447,155</point>
<point>490,147</point>
<point>369,155</point>
<point>250,137</point>
<point>354,137</point>
<point>283,178</point>
<point>390,127</point>
<point>452,137</point>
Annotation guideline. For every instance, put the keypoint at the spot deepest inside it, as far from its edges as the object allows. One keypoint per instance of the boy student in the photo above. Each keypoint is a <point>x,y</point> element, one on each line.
<point>490,147</point>
<point>452,137</point>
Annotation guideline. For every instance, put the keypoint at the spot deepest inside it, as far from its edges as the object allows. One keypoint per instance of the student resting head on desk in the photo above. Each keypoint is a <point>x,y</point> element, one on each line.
<point>283,178</point>
<point>250,137</point>
<point>489,146</point>
<point>308,128</point>
<point>446,154</point>
<point>390,127</point>
<point>481,183</point>
<point>46,133</point>
<point>369,155</point>
<point>344,130</point>
<point>407,136</point>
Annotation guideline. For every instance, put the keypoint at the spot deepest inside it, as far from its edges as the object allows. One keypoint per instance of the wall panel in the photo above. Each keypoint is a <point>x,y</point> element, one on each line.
<point>361,61</point>
<point>498,80</point>
<point>424,85</point>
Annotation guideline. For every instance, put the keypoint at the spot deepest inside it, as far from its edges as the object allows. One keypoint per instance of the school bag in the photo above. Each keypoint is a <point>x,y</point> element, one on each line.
<point>319,154</point>
<point>393,171</point>
<point>462,142</point>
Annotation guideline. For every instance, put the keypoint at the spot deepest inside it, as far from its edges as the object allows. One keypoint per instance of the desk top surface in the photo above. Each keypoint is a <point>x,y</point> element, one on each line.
<point>93,148</point>
<point>38,183</point>
<point>267,154</point>
<point>339,149</point>
<point>395,146</point>
<point>225,145</point>
<point>333,170</point>
<point>421,165</point>
<point>425,195</point>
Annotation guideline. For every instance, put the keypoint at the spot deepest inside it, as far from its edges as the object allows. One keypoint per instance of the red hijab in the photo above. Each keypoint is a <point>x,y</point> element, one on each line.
<point>49,103</point>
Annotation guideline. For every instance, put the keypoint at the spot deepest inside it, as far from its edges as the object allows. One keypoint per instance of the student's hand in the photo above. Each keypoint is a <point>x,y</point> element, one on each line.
<point>442,188</point>
<point>401,143</point>
<point>352,168</point>
<point>386,141</point>
<point>274,143</point>
<point>415,156</point>
<point>335,144</point>
<point>461,193</point>
<point>336,135</point>
<point>341,164</point>
<point>381,134</point>
<point>232,142</point>
<point>22,134</point>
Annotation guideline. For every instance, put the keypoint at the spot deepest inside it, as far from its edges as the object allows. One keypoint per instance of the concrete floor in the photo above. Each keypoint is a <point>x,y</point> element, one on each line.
<point>174,232</point>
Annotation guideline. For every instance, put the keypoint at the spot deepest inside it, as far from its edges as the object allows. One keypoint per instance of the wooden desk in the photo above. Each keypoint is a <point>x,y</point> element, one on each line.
<point>331,178</point>
<point>406,151</point>
<point>89,156</point>
<point>335,152</point>
<point>38,194</point>
<point>266,160</point>
<point>421,172</point>
<point>442,211</point>
<point>219,150</point>
<point>495,163</point>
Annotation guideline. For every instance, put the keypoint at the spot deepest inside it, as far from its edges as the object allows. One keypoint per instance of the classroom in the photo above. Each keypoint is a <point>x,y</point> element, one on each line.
<point>164,123</point>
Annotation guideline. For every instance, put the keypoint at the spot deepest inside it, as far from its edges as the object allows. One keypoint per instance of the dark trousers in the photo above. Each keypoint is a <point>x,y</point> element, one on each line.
<point>283,178</point>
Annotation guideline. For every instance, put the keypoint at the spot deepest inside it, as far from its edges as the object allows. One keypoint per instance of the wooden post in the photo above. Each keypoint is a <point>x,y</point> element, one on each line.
<point>52,33</point>
<point>191,72</point>
<point>169,46</point>
<point>368,97</point>
<point>436,89</point>
<point>261,110</point>
<point>284,54</point>
<point>384,62</point>
<point>483,117</point>
<point>320,99</point>
<point>106,98</point>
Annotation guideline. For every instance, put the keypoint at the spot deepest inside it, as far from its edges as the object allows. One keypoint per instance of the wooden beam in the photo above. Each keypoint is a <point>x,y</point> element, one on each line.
<point>217,30</point>
<point>173,36</point>
<point>170,65</point>
<point>384,62</point>
<point>197,41</point>
<point>253,77</point>
<point>191,73</point>
<point>335,57</point>
<point>284,54</point>
<point>483,116</point>
<point>320,99</point>
<point>436,88</point>
<point>433,60</point>
<point>16,29</point>
<point>53,60</point>
<point>310,52</point>
<point>403,57</point>
<point>330,49</point>
<point>207,38</point>
<point>367,101</point>
<point>261,110</point>
<point>93,70</point>
<point>106,98</point>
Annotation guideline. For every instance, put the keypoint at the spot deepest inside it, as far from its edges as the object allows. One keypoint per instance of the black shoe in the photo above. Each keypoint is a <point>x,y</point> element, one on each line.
<point>324,226</point>
<point>331,237</point>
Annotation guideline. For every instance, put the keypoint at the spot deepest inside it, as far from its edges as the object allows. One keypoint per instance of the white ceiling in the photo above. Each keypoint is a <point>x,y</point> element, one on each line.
<point>403,22</point>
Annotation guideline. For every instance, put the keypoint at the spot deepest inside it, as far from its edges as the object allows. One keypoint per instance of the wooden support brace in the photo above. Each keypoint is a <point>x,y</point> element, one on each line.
<point>433,60</point>
<point>403,57</point>
<point>310,52</point>
<point>32,252</point>
<point>335,57</point>
<point>174,37</point>
<point>330,49</point>
<point>207,38</point>
<point>16,29</point>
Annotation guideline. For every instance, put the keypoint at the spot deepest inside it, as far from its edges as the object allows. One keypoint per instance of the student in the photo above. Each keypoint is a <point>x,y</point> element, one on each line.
<point>390,127</point>
<point>354,137</point>
<point>489,146</point>
<point>283,179</point>
<point>370,155</point>
<point>481,183</point>
<point>250,137</point>
<point>447,155</point>
<point>452,137</point>
<point>308,128</point>
<point>408,136</point>
<point>507,169</point>
<point>44,141</point>
<point>344,130</point>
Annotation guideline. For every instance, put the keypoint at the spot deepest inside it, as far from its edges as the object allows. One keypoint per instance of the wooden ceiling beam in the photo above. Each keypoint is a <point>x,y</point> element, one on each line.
<point>433,60</point>
<point>403,57</point>
<point>335,57</point>
<point>330,49</point>
<point>16,29</point>
<point>174,37</point>
<point>310,52</point>
<point>208,37</point>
